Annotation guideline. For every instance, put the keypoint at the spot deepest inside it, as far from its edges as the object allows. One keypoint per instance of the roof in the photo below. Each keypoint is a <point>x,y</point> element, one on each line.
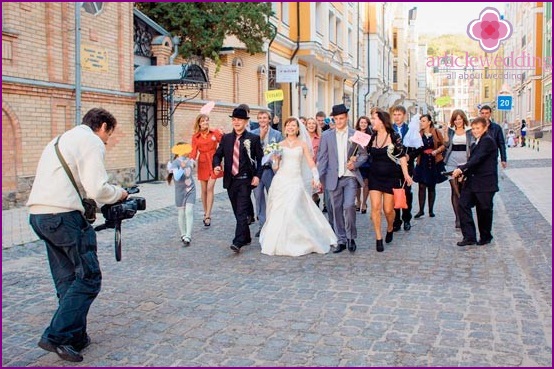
<point>186,75</point>
<point>143,17</point>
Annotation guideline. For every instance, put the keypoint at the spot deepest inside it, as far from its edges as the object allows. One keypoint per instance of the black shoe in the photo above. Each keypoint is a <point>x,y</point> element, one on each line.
<point>396,227</point>
<point>364,211</point>
<point>379,246</point>
<point>235,248</point>
<point>419,215</point>
<point>388,237</point>
<point>431,214</point>
<point>351,245</point>
<point>258,233</point>
<point>83,344</point>
<point>324,209</point>
<point>482,242</point>
<point>65,352</point>
<point>407,226</point>
<point>339,248</point>
<point>466,243</point>
<point>251,219</point>
<point>457,224</point>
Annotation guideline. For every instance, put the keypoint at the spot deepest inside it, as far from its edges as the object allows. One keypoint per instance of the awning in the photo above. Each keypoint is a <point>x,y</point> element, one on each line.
<point>189,76</point>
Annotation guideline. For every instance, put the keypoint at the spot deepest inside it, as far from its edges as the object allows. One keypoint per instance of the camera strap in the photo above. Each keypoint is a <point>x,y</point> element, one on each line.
<point>66,167</point>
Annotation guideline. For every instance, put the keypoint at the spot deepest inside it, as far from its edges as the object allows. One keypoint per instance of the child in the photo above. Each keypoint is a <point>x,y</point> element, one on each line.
<point>180,170</point>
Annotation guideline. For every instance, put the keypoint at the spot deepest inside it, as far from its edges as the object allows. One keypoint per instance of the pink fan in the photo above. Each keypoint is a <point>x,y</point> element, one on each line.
<point>206,109</point>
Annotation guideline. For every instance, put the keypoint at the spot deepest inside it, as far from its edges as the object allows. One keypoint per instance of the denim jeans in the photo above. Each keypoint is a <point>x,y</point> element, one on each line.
<point>71,247</point>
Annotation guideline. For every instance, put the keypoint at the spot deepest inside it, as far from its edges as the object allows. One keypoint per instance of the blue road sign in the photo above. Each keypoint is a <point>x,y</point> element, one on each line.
<point>504,102</point>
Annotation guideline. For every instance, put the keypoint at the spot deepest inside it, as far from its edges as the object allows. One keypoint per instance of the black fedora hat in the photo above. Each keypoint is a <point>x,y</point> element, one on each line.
<point>339,109</point>
<point>239,113</point>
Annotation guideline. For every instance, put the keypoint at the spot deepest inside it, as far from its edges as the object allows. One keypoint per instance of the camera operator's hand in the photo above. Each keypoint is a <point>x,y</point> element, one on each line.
<point>123,195</point>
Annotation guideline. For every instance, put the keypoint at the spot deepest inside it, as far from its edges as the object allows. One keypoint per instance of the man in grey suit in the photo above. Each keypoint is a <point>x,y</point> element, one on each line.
<point>268,136</point>
<point>338,161</point>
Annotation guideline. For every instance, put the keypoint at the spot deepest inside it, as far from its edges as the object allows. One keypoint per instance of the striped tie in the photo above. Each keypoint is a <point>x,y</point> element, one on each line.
<point>236,155</point>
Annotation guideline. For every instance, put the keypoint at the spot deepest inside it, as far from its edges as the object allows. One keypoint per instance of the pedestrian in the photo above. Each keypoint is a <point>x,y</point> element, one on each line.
<point>457,153</point>
<point>320,117</point>
<point>180,171</point>
<point>363,125</point>
<point>389,166</point>
<point>401,127</point>
<point>204,143</point>
<point>523,130</point>
<point>496,133</point>
<point>430,165</point>
<point>314,131</point>
<point>481,183</point>
<point>242,154</point>
<point>338,162</point>
<point>268,136</point>
<point>511,139</point>
<point>251,215</point>
<point>57,217</point>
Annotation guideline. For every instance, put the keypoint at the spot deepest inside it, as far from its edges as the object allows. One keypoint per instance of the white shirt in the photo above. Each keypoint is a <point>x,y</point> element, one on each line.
<point>342,147</point>
<point>52,190</point>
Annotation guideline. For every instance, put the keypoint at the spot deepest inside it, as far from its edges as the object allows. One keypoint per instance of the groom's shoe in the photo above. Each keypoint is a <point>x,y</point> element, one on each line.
<point>339,248</point>
<point>351,245</point>
<point>235,248</point>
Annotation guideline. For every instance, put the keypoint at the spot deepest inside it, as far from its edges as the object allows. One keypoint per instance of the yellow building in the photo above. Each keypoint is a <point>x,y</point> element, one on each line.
<point>322,39</point>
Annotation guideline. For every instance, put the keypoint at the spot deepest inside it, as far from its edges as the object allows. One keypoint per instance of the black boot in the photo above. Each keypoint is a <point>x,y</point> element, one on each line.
<point>379,245</point>
<point>388,237</point>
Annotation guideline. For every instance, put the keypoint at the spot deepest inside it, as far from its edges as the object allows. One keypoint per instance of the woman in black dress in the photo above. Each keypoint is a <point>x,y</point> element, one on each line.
<point>429,164</point>
<point>364,125</point>
<point>388,167</point>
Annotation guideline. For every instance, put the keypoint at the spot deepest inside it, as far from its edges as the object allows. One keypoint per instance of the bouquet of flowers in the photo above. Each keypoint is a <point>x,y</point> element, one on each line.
<point>271,149</point>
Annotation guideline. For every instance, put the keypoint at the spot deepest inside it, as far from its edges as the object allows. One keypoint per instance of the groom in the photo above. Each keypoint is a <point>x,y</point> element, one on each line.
<point>338,161</point>
<point>242,154</point>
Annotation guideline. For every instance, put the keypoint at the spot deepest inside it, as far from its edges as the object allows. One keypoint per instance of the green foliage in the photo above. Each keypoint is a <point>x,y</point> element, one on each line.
<point>204,26</point>
<point>451,44</point>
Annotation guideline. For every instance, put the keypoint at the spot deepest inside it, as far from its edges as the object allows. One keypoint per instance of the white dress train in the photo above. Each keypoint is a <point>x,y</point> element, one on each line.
<point>294,226</point>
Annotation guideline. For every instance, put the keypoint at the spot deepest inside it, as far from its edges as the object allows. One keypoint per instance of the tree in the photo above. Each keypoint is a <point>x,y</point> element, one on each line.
<point>204,26</point>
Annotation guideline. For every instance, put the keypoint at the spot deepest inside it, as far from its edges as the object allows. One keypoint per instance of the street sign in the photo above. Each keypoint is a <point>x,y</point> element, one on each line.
<point>504,102</point>
<point>287,73</point>
<point>274,95</point>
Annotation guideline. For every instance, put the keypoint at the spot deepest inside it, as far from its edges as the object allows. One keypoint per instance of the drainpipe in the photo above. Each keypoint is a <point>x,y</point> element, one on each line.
<point>268,61</point>
<point>357,90</point>
<point>295,51</point>
<point>78,6</point>
<point>176,40</point>
<point>368,64</point>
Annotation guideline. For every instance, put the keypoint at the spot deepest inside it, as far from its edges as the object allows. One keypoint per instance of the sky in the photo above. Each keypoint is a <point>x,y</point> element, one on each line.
<point>448,17</point>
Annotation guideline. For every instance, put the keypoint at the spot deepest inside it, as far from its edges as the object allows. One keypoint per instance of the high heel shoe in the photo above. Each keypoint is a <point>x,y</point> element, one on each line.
<point>379,245</point>
<point>364,211</point>
<point>431,214</point>
<point>388,237</point>
<point>419,214</point>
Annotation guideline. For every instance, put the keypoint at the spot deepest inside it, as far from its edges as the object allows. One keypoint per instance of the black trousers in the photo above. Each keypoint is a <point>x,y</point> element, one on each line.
<point>405,215</point>
<point>239,193</point>
<point>483,202</point>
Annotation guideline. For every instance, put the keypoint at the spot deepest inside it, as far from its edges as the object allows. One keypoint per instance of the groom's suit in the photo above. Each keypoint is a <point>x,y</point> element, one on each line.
<point>341,188</point>
<point>238,186</point>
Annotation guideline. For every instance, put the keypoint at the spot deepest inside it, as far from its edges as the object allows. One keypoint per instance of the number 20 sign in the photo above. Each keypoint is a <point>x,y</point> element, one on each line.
<point>504,102</point>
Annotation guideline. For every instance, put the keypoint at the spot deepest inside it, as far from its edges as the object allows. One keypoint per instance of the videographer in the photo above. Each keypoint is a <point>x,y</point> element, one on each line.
<point>57,217</point>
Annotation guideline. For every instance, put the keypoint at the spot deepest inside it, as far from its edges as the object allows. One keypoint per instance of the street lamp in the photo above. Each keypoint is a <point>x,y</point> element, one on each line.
<point>304,91</point>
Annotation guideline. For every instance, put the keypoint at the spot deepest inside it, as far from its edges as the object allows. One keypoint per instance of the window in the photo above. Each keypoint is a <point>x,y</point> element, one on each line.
<point>350,42</point>
<point>340,33</point>
<point>394,40</point>
<point>93,8</point>
<point>487,92</point>
<point>285,13</point>
<point>318,18</point>
<point>394,74</point>
<point>332,28</point>
<point>523,41</point>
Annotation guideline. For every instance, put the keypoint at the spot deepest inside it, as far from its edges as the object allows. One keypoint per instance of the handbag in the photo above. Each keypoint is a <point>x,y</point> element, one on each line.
<point>400,197</point>
<point>88,204</point>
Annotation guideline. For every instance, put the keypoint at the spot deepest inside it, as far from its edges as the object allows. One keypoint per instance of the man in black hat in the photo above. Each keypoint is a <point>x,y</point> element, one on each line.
<point>338,160</point>
<point>242,154</point>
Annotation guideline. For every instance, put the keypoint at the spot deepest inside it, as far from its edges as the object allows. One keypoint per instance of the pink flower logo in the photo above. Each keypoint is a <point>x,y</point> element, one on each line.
<point>490,29</point>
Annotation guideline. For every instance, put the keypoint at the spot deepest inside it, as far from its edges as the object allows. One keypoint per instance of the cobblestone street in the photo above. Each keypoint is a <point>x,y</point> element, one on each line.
<point>423,302</point>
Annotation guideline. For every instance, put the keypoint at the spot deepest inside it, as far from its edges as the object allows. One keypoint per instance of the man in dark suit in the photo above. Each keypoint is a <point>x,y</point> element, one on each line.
<point>481,173</point>
<point>496,132</point>
<point>242,154</point>
<point>401,127</point>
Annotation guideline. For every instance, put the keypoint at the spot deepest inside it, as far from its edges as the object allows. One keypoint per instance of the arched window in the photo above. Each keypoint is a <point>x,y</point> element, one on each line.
<point>93,8</point>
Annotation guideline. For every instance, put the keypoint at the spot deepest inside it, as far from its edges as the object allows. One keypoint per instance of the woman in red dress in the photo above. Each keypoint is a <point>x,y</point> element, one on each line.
<point>204,144</point>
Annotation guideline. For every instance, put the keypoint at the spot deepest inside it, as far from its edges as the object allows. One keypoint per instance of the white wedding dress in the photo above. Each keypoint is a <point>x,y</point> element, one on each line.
<point>294,226</point>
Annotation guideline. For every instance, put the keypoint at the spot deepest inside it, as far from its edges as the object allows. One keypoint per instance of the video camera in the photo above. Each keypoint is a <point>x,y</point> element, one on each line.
<point>119,211</point>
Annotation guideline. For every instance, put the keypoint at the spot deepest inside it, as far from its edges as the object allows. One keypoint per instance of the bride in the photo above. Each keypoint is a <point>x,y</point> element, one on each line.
<point>295,226</point>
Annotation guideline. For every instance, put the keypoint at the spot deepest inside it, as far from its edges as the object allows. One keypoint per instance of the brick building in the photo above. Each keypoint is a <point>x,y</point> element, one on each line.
<point>39,88</point>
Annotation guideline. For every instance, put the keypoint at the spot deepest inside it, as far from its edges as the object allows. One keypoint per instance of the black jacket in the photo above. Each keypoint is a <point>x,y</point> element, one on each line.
<point>250,168</point>
<point>497,133</point>
<point>481,169</point>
